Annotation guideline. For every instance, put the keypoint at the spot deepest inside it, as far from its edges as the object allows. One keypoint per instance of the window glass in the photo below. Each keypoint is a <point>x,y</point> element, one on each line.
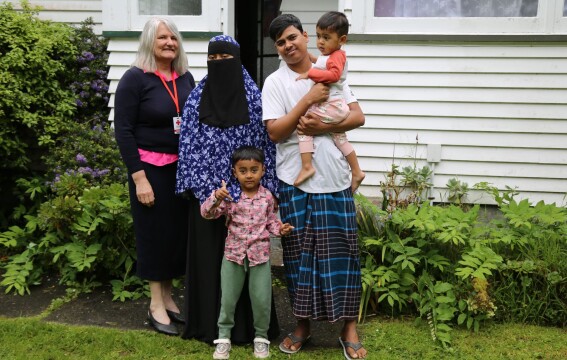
<point>457,8</point>
<point>170,7</point>
<point>565,8</point>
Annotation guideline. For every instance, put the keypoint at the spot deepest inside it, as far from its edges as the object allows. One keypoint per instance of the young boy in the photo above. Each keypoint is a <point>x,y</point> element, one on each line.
<point>331,69</point>
<point>247,249</point>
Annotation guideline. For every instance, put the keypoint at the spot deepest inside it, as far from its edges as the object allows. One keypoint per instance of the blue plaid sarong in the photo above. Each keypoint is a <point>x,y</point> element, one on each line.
<point>321,255</point>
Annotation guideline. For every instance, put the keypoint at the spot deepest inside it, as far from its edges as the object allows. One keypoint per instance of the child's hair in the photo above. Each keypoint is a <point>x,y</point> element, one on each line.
<point>334,21</point>
<point>282,22</point>
<point>248,153</point>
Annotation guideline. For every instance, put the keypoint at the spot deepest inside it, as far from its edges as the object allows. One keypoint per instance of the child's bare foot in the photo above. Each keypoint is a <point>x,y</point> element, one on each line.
<point>357,178</point>
<point>304,174</point>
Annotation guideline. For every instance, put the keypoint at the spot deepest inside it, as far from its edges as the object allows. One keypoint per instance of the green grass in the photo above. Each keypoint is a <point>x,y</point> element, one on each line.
<point>33,338</point>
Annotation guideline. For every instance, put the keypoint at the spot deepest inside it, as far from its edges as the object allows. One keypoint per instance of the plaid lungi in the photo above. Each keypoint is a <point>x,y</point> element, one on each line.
<point>321,255</point>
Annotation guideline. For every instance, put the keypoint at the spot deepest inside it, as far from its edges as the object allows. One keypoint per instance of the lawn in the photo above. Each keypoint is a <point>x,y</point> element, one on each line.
<point>33,338</point>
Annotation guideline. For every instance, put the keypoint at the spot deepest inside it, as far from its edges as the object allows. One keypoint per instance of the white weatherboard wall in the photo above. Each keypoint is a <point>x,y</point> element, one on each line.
<point>498,110</point>
<point>68,11</point>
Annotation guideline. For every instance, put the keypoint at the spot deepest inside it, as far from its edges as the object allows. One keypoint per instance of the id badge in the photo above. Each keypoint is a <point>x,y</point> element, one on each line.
<point>177,125</point>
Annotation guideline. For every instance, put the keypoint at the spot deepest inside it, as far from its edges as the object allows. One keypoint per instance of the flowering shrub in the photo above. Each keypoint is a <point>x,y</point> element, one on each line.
<point>74,215</point>
<point>36,103</point>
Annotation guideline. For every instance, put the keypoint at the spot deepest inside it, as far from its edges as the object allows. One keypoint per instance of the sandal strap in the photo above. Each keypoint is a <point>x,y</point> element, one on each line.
<point>356,346</point>
<point>296,339</point>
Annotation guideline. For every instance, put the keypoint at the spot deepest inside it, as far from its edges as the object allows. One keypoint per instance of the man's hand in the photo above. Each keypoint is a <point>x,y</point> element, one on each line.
<point>318,93</point>
<point>311,125</point>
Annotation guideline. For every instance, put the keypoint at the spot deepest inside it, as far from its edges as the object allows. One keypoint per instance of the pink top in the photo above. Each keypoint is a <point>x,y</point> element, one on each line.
<point>250,223</point>
<point>156,158</point>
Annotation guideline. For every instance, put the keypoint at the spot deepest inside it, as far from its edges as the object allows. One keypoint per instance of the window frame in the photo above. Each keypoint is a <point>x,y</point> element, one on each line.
<point>549,21</point>
<point>123,16</point>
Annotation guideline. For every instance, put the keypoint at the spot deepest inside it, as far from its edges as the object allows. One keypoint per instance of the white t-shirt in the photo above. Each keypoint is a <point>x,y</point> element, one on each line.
<point>280,94</point>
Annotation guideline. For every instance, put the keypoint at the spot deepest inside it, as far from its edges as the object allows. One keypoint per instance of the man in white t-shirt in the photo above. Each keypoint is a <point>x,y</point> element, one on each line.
<point>321,255</point>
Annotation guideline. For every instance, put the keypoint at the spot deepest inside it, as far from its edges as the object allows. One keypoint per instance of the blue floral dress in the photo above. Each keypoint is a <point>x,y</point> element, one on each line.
<point>205,151</point>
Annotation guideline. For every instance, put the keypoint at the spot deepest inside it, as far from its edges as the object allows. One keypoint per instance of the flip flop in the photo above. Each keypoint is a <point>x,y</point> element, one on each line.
<point>355,346</point>
<point>295,340</point>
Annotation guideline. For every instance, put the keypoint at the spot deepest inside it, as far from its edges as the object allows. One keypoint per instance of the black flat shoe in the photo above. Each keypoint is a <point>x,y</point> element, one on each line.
<point>175,317</point>
<point>168,329</point>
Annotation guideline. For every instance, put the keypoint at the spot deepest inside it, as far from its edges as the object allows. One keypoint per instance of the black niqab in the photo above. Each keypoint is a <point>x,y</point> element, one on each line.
<point>223,101</point>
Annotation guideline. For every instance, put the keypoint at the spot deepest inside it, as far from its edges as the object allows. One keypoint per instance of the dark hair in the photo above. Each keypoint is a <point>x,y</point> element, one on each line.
<point>282,22</point>
<point>334,21</point>
<point>248,153</point>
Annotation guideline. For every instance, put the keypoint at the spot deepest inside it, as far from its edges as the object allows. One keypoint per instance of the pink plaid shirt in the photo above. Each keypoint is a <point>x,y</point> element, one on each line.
<point>250,223</point>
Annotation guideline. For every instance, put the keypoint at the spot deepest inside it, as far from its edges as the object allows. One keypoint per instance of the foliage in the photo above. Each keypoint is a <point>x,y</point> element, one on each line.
<point>451,267</point>
<point>84,235</point>
<point>73,217</point>
<point>36,103</point>
<point>34,98</point>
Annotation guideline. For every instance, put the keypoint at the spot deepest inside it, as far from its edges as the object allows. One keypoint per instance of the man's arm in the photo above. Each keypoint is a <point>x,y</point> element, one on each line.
<point>312,125</point>
<point>281,128</point>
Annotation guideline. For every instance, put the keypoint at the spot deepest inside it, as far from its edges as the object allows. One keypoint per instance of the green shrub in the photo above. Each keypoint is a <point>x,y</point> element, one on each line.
<point>36,102</point>
<point>83,235</point>
<point>73,215</point>
<point>450,267</point>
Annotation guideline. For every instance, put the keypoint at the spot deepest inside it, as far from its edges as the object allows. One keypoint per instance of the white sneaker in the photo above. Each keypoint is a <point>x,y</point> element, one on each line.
<point>222,351</point>
<point>261,348</point>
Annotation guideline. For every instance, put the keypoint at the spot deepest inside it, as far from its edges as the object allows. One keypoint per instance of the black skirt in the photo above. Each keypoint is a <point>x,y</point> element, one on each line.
<point>161,230</point>
<point>202,284</point>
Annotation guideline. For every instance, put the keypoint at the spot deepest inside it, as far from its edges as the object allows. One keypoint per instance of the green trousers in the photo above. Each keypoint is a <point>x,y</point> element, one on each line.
<point>260,289</point>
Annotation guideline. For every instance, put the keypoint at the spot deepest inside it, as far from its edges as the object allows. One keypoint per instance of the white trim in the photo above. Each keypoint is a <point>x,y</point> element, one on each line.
<point>549,21</point>
<point>123,16</point>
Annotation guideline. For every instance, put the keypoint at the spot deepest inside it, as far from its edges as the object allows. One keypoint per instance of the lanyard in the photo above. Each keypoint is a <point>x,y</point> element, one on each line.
<point>175,98</point>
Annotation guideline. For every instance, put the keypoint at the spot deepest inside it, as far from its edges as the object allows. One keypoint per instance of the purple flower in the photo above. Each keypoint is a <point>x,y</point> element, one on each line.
<point>84,94</point>
<point>98,173</point>
<point>88,55</point>
<point>81,159</point>
<point>79,103</point>
<point>85,69</point>
<point>85,170</point>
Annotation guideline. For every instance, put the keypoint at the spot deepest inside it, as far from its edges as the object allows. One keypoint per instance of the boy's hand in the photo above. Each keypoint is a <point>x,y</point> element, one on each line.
<point>285,229</point>
<point>222,193</point>
<point>302,76</point>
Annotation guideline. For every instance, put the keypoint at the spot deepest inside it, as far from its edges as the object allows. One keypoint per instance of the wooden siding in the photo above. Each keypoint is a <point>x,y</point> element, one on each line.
<point>309,12</point>
<point>68,11</point>
<point>498,110</point>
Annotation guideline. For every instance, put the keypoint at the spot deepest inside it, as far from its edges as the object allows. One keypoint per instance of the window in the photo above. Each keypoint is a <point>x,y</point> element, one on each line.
<point>455,8</point>
<point>169,7</point>
<point>188,15</point>
<point>460,17</point>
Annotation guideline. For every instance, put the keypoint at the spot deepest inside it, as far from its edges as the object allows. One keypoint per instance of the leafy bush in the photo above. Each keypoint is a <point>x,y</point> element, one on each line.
<point>82,234</point>
<point>450,266</point>
<point>73,217</point>
<point>36,102</point>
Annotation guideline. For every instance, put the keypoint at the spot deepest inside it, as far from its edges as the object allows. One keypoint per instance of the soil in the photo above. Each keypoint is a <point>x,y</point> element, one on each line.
<point>98,309</point>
